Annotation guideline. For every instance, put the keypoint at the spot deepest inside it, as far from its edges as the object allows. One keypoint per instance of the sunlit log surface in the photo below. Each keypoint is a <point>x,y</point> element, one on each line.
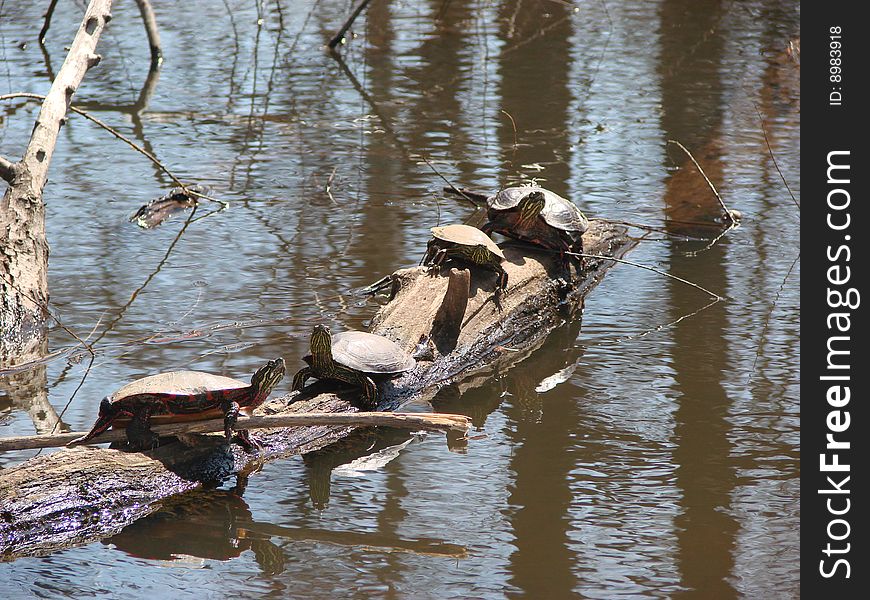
<point>79,495</point>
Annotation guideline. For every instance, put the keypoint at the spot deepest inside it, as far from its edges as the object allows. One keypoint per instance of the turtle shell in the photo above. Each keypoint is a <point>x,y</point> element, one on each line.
<point>466,235</point>
<point>370,353</point>
<point>558,212</point>
<point>178,382</point>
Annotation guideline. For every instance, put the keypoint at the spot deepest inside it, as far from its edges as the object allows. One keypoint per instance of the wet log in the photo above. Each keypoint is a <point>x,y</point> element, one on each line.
<point>83,494</point>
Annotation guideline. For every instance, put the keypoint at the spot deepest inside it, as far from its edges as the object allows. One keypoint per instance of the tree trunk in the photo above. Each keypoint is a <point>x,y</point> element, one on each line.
<point>79,495</point>
<point>23,247</point>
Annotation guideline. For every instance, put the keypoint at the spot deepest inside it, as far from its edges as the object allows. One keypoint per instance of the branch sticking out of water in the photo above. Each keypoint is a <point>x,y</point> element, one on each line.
<point>732,216</point>
<point>339,37</point>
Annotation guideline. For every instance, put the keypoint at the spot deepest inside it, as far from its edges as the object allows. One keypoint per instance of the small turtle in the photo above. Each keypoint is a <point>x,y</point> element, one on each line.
<point>538,216</point>
<point>466,243</point>
<point>183,396</point>
<point>354,357</point>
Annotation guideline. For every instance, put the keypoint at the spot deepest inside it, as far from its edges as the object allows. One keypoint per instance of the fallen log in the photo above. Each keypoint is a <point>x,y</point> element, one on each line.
<point>79,495</point>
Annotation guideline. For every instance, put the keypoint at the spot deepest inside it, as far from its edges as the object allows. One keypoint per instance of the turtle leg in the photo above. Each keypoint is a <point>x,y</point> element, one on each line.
<point>371,391</point>
<point>488,228</point>
<point>231,416</point>
<point>436,260</point>
<point>430,253</point>
<point>578,248</point>
<point>500,286</point>
<point>301,377</point>
<point>139,434</point>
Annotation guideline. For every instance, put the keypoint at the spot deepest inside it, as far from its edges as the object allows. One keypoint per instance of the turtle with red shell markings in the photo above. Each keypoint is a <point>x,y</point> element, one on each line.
<point>183,396</point>
<point>538,216</point>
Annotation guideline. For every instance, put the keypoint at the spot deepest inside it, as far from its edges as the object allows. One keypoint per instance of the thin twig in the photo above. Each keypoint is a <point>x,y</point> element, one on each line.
<point>714,241</point>
<point>663,326</point>
<point>513,124</point>
<point>773,158</point>
<point>453,188</point>
<point>432,421</point>
<point>648,268</point>
<point>728,214</point>
<point>769,315</point>
<point>329,185</point>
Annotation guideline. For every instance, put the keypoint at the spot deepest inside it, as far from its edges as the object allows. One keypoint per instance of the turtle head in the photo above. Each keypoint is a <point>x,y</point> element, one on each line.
<point>531,206</point>
<point>109,411</point>
<point>321,344</point>
<point>265,380</point>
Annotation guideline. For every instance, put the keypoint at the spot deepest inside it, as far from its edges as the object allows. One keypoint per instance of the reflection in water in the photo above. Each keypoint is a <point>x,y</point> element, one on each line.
<point>214,525</point>
<point>538,100</point>
<point>218,525</point>
<point>704,473</point>
<point>542,566</point>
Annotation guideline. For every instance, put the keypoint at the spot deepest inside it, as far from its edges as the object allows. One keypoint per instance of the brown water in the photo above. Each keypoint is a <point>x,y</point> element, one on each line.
<point>663,460</point>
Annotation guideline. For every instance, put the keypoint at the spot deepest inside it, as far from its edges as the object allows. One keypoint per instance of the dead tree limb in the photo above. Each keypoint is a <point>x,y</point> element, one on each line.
<point>52,501</point>
<point>24,254</point>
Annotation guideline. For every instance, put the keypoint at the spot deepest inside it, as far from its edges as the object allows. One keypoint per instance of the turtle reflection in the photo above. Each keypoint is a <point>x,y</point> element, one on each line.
<point>209,524</point>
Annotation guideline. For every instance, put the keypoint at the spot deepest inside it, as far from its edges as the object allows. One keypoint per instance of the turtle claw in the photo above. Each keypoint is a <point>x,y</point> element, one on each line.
<point>497,298</point>
<point>243,437</point>
<point>142,441</point>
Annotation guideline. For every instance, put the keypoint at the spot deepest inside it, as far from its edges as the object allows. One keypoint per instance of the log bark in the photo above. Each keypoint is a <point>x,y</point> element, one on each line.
<point>23,247</point>
<point>83,494</point>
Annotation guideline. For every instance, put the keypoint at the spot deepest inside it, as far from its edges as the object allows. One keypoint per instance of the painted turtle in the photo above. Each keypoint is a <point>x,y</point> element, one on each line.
<point>466,243</point>
<point>538,216</point>
<point>183,396</point>
<point>354,357</point>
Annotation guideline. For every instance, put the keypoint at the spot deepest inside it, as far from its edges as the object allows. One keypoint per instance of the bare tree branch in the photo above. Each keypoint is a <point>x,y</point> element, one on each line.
<point>339,37</point>
<point>7,170</point>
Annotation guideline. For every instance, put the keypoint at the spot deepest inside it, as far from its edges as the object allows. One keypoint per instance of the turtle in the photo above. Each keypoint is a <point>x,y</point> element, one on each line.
<point>354,357</point>
<point>538,216</point>
<point>466,243</point>
<point>183,396</point>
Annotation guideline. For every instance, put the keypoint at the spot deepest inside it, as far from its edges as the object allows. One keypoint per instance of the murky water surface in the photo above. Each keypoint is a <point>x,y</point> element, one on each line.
<point>662,461</point>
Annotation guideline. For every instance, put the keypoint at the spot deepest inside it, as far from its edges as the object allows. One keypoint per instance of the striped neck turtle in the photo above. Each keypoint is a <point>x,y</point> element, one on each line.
<point>469,244</point>
<point>354,357</point>
<point>538,216</point>
<point>184,396</point>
